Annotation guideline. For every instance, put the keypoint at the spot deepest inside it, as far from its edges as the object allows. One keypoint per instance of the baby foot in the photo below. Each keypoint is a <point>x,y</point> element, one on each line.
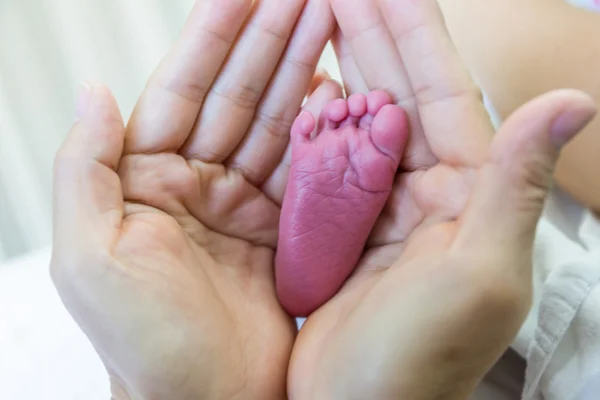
<point>339,182</point>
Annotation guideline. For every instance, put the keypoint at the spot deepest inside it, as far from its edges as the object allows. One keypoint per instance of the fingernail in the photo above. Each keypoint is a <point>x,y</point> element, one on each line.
<point>323,71</point>
<point>570,123</point>
<point>83,99</point>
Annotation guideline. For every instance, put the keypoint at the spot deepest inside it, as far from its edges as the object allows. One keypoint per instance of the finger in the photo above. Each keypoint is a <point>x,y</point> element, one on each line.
<point>274,186</point>
<point>448,99</point>
<point>353,80</point>
<point>321,76</point>
<point>167,110</point>
<point>513,184</point>
<point>374,50</point>
<point>263,146</point>
<point>381,66</point>
<point>232,101</point>
<point>88,203</point>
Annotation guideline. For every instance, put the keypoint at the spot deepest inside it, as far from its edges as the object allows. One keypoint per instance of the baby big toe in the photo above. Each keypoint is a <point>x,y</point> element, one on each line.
<point>389,131</point>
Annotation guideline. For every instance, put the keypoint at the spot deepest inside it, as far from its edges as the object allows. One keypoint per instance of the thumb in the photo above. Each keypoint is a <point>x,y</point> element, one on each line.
<point>88,202</point>
<point>512,186</point>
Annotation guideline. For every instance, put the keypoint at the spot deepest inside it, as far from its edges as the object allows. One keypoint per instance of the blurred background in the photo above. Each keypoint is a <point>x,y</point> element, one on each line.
<point>47,47</point>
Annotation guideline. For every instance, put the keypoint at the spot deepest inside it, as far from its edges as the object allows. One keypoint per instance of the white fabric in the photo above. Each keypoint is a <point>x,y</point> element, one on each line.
<point>43,353</point>
<point>561,338</point>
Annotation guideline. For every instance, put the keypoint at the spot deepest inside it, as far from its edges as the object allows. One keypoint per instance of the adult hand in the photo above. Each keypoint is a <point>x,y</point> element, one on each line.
<point>446,280</point>
<point>165,230</point>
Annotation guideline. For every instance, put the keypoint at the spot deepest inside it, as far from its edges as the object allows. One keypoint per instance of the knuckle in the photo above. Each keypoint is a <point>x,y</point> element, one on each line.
<point>194,91</point>
<point>533,180</point>
<point>276,125</point>
<point>537,176</point>
<point>277,24</point>
<point>432,93</point>
<point>217,36</point>
<point>275,30</point>
<point>235,7</point>
<point>207,155</point>
<point>250,174</point>
<point>244,95</point>
<point>300,64</point>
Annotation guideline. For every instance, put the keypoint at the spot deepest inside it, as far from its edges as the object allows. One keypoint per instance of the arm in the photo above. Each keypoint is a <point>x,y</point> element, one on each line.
<point>518,50</point>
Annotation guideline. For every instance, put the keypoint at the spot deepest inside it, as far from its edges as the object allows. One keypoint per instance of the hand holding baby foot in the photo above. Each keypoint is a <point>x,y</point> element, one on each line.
<point>445,282</point>
<point>165,231</point>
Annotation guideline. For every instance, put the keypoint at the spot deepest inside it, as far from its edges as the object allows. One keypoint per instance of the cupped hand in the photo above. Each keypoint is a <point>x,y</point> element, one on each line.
<point>165,230</point>
<point>445,282</point>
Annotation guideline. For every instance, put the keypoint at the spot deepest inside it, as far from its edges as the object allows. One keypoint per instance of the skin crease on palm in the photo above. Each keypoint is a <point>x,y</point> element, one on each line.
<point>165,230</point>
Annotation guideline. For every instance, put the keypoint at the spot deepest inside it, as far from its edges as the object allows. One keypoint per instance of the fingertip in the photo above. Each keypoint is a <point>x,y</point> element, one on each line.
<point>580,111</point>
<point>82,101</point>
<point>99,131</point>
<point>96,102</point>
<point>320,77</point>
<point>329,90</point>
<point>543,126</point>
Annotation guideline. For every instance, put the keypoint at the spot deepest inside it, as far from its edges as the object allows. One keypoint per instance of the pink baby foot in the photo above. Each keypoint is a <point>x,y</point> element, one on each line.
<point>339,183</point>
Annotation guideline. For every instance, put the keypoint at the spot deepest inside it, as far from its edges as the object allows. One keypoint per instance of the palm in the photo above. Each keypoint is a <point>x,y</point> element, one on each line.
<point>180,233</point>
<point>368,325</point>
<point>408,250</point>
<point>183,208</point>
<point>178,278</point>
<point>421,197</point>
